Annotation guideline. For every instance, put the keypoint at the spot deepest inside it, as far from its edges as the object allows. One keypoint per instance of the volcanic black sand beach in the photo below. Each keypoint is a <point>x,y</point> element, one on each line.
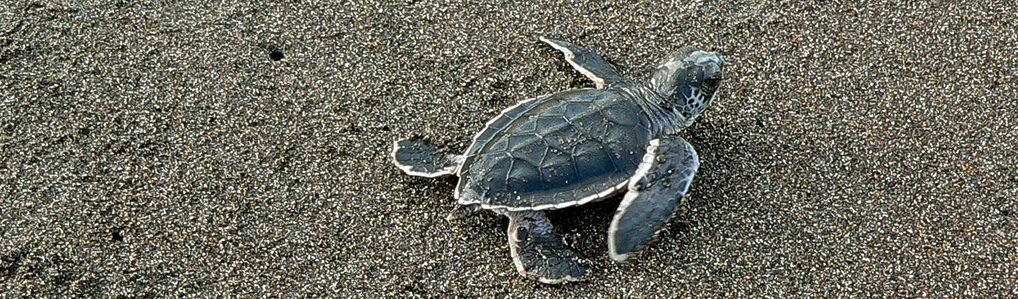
<point>160,149</point>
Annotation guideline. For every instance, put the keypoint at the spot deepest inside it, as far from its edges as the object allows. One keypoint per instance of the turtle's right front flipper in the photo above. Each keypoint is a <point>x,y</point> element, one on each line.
<point>418,157</point>
<point>661,180</point>
<point>538,253</point>
<point>589,63</point>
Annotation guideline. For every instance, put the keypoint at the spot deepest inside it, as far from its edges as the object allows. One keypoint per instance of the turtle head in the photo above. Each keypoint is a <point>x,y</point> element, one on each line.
<point>688,81</point>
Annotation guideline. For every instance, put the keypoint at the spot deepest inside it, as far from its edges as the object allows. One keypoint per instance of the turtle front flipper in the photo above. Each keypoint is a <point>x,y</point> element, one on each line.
<point>589,63</point>
<point>538,253</point>
<point>661,180</point>
<point>418,157</point>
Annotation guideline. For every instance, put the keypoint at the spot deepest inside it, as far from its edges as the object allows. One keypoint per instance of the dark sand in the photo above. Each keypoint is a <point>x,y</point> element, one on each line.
<point>158,149</point>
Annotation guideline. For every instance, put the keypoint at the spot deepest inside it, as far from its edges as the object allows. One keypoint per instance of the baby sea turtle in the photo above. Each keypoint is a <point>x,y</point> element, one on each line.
<point>577,146</point>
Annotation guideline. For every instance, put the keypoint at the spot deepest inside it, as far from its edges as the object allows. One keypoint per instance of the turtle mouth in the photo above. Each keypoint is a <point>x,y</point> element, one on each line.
<point>714,95</point>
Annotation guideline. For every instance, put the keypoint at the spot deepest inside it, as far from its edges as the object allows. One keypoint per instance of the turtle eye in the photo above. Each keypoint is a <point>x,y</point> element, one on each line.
<point>707,64</point>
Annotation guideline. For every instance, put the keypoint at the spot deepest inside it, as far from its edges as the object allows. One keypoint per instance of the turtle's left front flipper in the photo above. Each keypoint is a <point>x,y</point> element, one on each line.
<point>589,63</point>
<point>661,180</point>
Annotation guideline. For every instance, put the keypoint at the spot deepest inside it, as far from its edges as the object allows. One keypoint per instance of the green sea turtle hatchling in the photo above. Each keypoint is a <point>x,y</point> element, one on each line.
<point>577,146</point>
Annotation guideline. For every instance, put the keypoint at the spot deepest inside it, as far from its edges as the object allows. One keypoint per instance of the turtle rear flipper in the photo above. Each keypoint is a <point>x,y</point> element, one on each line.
<point>661,180</point>
<point>418,157</point>
<point>538,253</point>
<point>462,211</point>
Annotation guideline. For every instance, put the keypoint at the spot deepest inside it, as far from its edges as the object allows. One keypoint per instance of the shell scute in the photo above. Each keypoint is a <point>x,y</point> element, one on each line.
<point>555,151</point>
